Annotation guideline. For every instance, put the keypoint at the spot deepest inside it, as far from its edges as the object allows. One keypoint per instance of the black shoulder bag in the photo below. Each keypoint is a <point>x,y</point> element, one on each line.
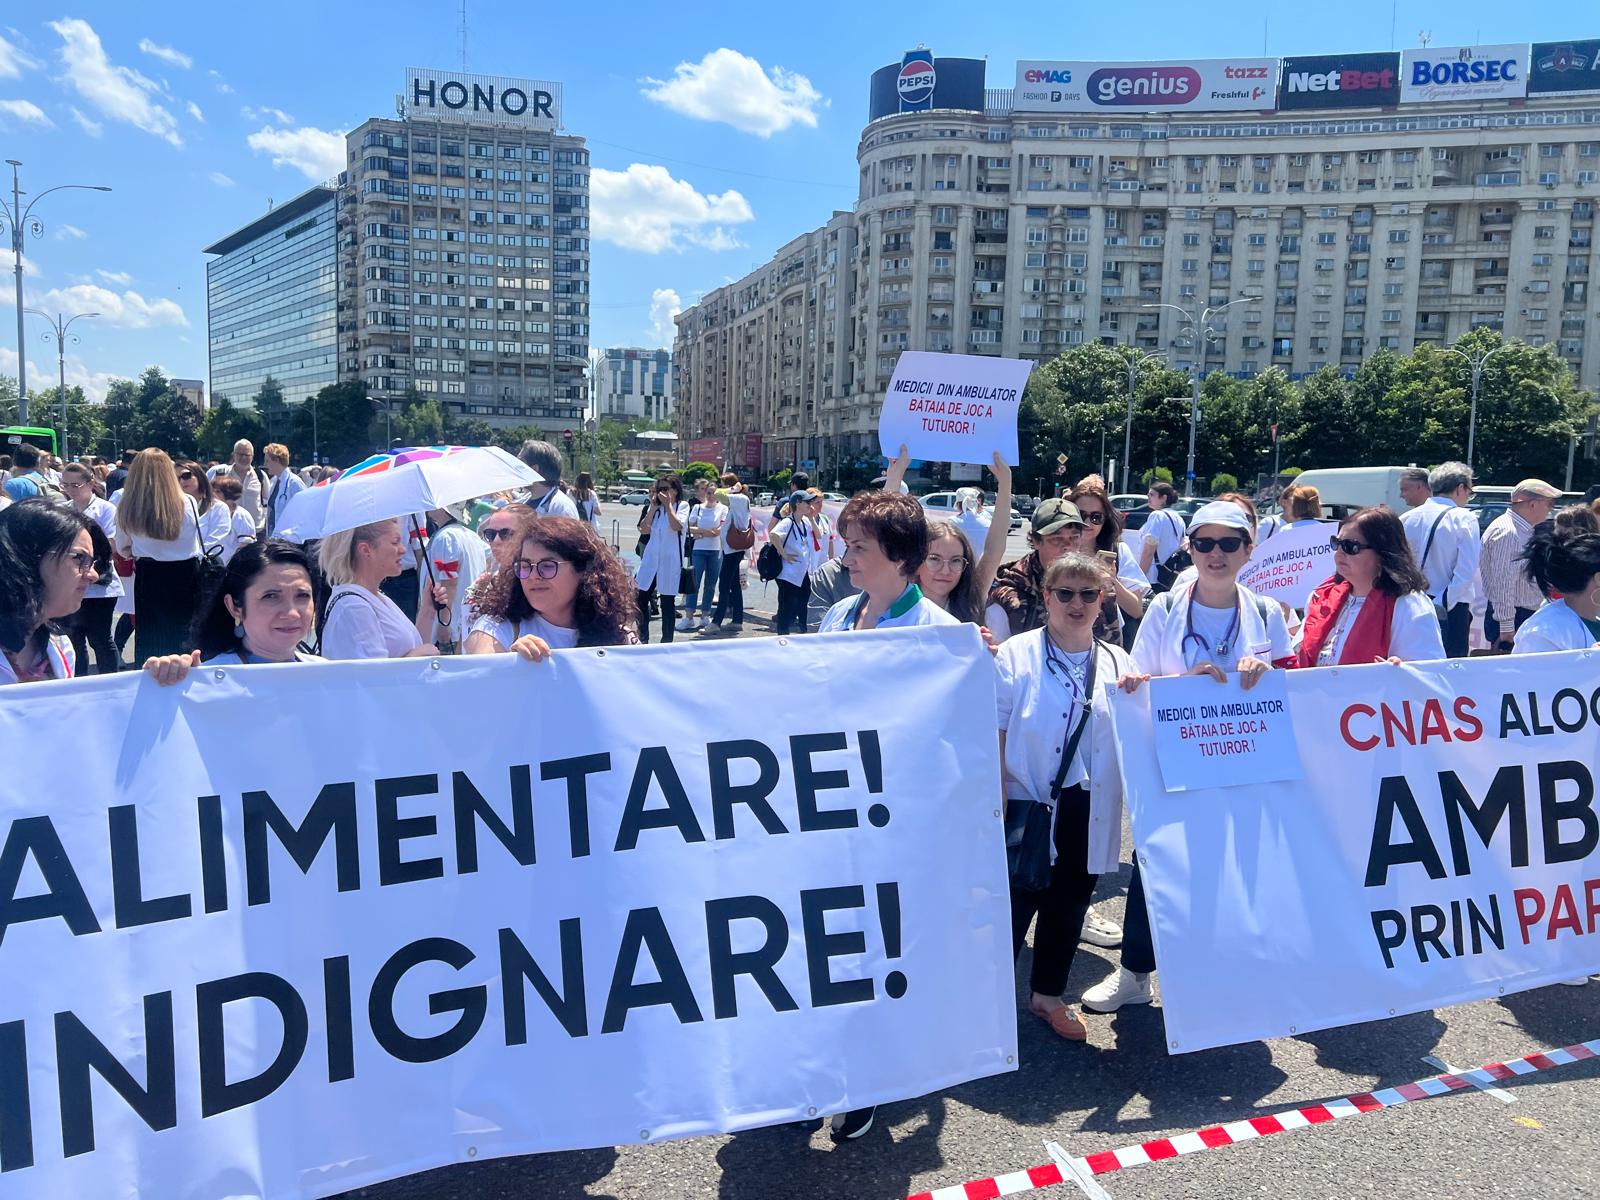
<point>1029,823</point>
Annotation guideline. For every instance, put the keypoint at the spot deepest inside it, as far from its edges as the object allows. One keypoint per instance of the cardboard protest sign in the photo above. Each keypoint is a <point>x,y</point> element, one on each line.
<point>1290,564</point>
<point>957,408</point>
<point>1211,734</point>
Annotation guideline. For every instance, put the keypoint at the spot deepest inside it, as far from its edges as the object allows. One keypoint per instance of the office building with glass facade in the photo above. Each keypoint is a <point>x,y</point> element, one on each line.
<point>272,295</point>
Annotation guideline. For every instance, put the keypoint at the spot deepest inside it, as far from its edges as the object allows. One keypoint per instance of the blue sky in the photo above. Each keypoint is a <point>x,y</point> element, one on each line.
<point>718,131</point>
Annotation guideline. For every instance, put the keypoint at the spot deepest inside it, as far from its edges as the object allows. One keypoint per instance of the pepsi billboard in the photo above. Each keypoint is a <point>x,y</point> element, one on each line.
<point>1340,81</point>
<point>919,82</point>
<point>1564,68</point>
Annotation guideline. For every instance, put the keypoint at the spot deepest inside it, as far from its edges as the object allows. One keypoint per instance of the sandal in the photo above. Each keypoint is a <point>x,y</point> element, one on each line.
<point>1064,1022</point>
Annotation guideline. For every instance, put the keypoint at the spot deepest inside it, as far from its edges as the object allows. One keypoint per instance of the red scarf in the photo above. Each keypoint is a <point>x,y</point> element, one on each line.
<point>1368,639</point>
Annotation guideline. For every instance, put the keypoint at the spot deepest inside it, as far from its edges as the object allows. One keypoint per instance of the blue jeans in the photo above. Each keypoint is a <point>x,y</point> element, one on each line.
<point>707,564</point>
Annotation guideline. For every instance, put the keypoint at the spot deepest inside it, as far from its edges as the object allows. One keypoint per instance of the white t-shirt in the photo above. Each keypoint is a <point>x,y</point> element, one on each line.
<point>793,537</point>
<point>104,515</point>
<point>241,529</point>
<point>738,518</point>
<point>555,503</point>
<point>216,526</point>
<point>459,557</point>
<point>363,624</point>
<point>185,545</point>
<point>923,611</point>
<point>1553,627</point>
<point>1413,630</point>
<point>1165,529</point>
<point>232,658</point>
<point>707,516</point>
<point>505,632</point>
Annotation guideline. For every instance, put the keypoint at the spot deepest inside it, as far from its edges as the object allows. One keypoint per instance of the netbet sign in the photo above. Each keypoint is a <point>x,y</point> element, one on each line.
<point>484,99</point>
<point>1340,81</point>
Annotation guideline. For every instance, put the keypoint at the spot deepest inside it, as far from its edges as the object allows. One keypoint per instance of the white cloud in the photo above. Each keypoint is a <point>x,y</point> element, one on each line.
<point>645,208</point>
<point>63,232</point>
<point>665,303</point>
<point>122,278</point>
<point>94,383</point>
<point>92,128</point>
<point>13,59</point>
<point>165,53</point>
<point>736,90</point>
<point>22,112</point>
<point>265,112</point>
<point>194,111</point>
<point>222,84</point>
<point>126,309</point>
<point>218,178</point>
<point>120,93</point>
<point>317,154</point>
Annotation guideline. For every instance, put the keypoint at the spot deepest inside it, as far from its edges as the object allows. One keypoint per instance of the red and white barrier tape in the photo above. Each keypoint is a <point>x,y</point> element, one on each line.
<point>1050,1174</point>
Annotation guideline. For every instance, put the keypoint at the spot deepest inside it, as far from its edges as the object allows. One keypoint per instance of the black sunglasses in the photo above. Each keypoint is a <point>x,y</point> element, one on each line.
<point>1067,595</point>
<point>489,535</point>
<point>1228,545</point>
<point>1348,545</point>
<point>1093,518</point>
<point>185,474</point>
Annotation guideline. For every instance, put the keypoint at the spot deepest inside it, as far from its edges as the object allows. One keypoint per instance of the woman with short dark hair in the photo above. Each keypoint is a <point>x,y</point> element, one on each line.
<point>886,540</point>
<point>1376,606</point>
<point>1565,566</point>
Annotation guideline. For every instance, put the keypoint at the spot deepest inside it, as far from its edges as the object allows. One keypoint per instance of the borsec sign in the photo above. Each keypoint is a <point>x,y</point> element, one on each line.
<point>916,81</point>
<point>1463,73</point>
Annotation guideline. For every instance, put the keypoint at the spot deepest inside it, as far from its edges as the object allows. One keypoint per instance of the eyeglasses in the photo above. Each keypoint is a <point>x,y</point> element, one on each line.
<point>185,474</point>
<point>73,485</point>
<point>935,563</point>
<point>1228,545</point>
<point>1093,518</point>
<point>1348,545</point>
<point>545,568</point>
<point>489,535</point>
<point>1086,595</point>
<point>82,562</point>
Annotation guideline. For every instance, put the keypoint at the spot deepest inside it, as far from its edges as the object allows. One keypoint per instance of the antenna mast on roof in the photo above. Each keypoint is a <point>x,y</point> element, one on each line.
<point>463,34</point>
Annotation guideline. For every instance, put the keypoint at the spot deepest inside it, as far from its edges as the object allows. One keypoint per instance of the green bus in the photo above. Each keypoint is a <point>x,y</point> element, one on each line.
<point>15,435</point>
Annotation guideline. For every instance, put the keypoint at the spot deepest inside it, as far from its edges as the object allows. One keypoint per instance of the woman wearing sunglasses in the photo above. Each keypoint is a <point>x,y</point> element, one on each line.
<point>1211,627</point>
<point>1057,749</point>
<point>563,588</point>
<point>1376,607</point>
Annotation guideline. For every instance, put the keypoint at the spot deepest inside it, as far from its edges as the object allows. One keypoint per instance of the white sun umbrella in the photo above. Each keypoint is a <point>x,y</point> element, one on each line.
<point>403,482</point>
<point>306,510</point>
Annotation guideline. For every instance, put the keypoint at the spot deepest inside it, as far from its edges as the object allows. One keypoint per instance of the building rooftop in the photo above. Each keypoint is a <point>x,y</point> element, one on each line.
<point>281,215</point>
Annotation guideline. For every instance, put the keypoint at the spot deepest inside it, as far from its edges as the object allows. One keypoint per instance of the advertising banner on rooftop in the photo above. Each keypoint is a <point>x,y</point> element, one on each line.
<point>1463,73</point>
<point>1564,68</point>
<point>1193,85</point>
<point>452,95</point>
<point>920,82</point>
<point>1340,81</point>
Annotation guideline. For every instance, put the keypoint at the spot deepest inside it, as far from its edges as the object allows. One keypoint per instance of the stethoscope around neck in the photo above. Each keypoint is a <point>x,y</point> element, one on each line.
<point>1189,632</point>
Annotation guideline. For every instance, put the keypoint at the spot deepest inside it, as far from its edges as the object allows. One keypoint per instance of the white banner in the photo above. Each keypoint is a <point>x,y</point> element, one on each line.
<point>1192,85</point>
<point>285,931</point>
<point>957,408</point>
<point>1463,73</point>
<point>1290,564</point>
<point>1441,848</point>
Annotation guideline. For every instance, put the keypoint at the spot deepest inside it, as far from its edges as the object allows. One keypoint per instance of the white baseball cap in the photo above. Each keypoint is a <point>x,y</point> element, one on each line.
<point>1220,512</point>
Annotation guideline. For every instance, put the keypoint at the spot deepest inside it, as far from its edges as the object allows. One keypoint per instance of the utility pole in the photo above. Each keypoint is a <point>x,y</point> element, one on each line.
<point>1475,357</point>
<point>1205,331</point>
<point>59,324</point>
<point>1137,360</point>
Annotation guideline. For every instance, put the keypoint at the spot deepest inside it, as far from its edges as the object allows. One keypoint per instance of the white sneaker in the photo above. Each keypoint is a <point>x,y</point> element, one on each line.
<point>1125,987</point>
<point>1100,931</point>
<point>684,624</point>
<point>1578,982</point>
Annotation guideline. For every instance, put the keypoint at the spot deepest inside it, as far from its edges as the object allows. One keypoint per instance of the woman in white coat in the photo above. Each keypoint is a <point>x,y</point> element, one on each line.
<point>1057,750</point>
<point>1566,567</point>
<point>661,564</point>
<point>1212,627</point>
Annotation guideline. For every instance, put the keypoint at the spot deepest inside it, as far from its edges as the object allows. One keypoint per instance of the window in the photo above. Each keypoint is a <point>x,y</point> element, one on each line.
<point>1397,236</point>
<point>1327,239</point>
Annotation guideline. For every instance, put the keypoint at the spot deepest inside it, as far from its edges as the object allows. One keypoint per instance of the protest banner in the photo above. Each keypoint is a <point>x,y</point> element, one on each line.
<point>1441,848</point>
<point>1216,735</point>
<point>957,408</point>
<point>438,910</point>
<point>1290,564</point>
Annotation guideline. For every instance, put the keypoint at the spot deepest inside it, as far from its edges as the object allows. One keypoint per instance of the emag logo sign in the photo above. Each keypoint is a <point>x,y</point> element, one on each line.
<point>1340,81</point>
<point>1463,73</point>
<point>1216,85</point>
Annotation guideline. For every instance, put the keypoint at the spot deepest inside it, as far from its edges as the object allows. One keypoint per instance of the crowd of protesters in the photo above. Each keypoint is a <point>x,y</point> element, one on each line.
<point>191,556</point>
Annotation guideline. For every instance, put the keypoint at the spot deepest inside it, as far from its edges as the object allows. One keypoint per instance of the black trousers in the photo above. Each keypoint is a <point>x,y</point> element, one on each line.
<point>1138,951</point>
<point>164,597</point>
<point>91,629</point>
<point>1062,906</point>
<point>730,596</point>
<point>1493,629</point>
<point>1456,629</point>
<point>669,617</point>
<point>792,601</point>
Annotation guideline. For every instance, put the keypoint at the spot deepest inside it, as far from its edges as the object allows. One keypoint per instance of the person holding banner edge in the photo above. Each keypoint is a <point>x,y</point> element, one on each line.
<point>361,620</point>
<point>1376,607</point>
<point>1566,568</point>
<point>264,610</point>
<point>1214,627</point>
<point>1063,791</point>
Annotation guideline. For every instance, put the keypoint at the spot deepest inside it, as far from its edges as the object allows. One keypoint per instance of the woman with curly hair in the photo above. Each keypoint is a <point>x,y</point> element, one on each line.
<point>564,588</point>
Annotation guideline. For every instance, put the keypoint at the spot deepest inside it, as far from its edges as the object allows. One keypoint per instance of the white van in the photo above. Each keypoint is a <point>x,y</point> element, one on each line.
<point>1345,489</point>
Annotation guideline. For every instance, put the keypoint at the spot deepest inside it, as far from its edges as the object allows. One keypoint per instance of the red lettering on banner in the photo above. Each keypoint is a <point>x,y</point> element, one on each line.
<point>1355,743</point>
<point>1528,916</point>
<point>1564,913</point>
<point>1400,726</point>
<point>1562,910</point>
<point>1470,728</point>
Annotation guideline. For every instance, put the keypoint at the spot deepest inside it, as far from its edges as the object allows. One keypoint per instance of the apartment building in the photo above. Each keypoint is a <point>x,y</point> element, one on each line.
<point>1352,228</point>
<point>634,384</point>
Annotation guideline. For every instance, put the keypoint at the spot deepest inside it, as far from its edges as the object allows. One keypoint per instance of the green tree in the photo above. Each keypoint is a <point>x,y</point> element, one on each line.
<point>345,423</point>
<point>1224,483</point>
<point>223,425</point>
<point>1328,433</point>
<point>467,431</point>
<point>696,471</point>
<point>273,411</point>
<point>85,429</point>
<point>122,417</point>
<point>421,424</point>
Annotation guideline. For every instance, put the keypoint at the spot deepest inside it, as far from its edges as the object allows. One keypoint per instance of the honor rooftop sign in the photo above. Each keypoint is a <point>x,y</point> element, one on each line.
<point>484,99</point>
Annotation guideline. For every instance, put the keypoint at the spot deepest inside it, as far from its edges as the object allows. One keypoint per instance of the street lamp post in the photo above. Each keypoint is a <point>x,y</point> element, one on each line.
<point>59,324</point>
<point>1137,359</point>
<point>21,222</point>
<point>1205,332</point>
<point>1475,357</point>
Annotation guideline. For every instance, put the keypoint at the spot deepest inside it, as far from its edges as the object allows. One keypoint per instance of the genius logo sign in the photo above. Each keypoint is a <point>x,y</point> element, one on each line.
<point>1141,85</point>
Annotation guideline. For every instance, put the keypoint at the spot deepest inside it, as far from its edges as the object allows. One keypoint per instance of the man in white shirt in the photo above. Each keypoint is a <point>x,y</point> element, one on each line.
<point>1163,532</point>
<point>1414,487</point>
<point>1511,595</point>
<point>1443,536</point>
<point>251,478</point>
<point>283,488</point>
<point>546,498</point>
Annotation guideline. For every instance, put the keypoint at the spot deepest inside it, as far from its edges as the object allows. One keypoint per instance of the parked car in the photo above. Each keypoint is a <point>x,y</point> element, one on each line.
<point>1185,507</point>
<point>1126,502</point>
<point>836,497</point>
<point>764,500</point>
<point>637,496</point>
<point>944,504</point>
